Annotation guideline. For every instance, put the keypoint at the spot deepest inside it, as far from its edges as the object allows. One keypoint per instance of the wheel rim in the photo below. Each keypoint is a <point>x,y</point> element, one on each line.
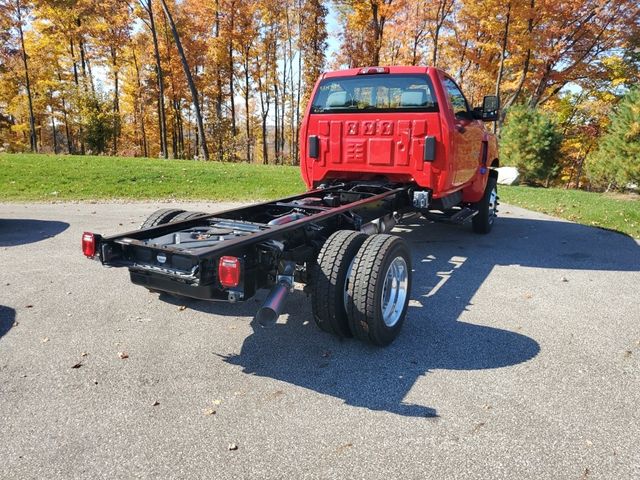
<point>493,204</point>
<point>394,291</point>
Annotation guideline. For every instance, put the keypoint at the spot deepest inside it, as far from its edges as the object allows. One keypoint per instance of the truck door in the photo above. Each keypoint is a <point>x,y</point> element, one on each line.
<point>467,135</point>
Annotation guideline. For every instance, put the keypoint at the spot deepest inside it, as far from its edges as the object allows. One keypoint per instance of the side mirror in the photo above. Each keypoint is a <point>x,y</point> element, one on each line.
<point>490,108</point>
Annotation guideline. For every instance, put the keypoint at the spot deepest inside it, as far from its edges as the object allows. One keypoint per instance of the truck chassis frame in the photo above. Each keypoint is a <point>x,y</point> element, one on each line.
<point>265,237</point>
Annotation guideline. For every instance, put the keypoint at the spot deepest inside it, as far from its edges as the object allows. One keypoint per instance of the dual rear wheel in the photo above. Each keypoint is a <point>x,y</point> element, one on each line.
<point>361,286</point>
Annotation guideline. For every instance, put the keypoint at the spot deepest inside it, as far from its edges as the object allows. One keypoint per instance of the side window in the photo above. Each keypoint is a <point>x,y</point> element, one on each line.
<point>456,97</point>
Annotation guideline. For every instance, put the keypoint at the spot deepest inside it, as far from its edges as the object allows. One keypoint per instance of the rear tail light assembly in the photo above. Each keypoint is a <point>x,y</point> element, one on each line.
<point>89,244</point>
<point>229,270</point>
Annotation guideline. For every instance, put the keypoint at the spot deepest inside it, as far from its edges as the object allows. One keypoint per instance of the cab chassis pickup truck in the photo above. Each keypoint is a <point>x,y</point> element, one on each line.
<point>378,145</point>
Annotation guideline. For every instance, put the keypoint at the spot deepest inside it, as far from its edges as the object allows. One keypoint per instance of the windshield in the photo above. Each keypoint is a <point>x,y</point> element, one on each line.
<point>375,93</point>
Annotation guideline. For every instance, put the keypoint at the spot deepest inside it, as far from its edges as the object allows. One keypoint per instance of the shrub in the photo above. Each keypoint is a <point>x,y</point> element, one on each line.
<point>616,162</point>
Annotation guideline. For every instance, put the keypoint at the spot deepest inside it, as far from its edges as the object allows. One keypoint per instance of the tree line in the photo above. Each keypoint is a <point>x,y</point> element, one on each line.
<point>229,79</point>
<point>220,79</point>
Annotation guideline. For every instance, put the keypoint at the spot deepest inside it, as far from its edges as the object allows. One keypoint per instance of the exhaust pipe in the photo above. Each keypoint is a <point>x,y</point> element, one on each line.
<point>272,306</point>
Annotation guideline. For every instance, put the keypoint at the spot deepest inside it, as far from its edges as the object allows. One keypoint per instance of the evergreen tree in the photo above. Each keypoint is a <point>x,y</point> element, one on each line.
<point>616,163</point>
<point>530,141</point>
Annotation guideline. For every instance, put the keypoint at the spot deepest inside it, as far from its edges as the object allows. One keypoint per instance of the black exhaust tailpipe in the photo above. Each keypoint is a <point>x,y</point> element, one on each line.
<point>272,306</point>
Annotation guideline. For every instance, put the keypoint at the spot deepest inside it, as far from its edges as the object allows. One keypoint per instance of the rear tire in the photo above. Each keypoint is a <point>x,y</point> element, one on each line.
<point>160,217</point>
<point>379,289</point>
<point>329,278</point>
<point>487,206</point>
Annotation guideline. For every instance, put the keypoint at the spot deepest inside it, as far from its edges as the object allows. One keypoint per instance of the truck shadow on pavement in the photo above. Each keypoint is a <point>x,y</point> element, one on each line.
<point>7,319</point>
<point>450,265</point>
<point>21,231</point>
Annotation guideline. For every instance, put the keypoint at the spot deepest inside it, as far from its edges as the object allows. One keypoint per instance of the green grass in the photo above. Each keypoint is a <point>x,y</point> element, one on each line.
<point>54,178</point>
<point>48,178</point>
<point>614,212</point>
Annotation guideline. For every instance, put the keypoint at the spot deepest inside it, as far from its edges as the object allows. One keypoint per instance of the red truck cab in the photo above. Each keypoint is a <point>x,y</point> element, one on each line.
<point>403,124</point>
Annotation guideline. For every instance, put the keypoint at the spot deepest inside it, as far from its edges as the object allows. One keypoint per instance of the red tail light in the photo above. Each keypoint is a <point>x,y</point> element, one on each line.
<point>88,244</point>
<point>229,271</point>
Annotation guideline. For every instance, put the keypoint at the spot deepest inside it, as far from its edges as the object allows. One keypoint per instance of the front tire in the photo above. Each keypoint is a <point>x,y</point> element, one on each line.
<point>379,289</point>
<point>487,206</point>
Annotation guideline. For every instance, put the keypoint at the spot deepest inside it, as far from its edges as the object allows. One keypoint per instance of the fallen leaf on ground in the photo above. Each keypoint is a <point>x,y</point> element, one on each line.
<point>16,323</point>
<point>344,447</point>
<point>564,279</point>
<point>478,426</point>
<point>182,307</point>
<point>77,365</point>
<point>233,446</point>
<point>84,354</point>
<point>209,411</point>
<point>155,403</point>
<point>123,355</point>
<point>45,340</point>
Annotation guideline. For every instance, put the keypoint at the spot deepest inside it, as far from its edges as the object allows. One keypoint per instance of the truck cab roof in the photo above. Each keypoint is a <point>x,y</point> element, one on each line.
<point>395,69</point>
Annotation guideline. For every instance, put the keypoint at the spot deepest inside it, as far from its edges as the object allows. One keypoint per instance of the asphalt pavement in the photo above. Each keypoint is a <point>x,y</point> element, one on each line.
<point>519,359</point>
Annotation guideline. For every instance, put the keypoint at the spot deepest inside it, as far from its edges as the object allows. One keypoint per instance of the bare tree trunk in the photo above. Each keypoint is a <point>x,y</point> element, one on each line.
<point>219,128</point>
<point>33,140</point>
<point>378,31</point>
<point>246,102</point>
<point>162,122</point>
<point>434,57</point>
<point>192,87</point>
<point>67,130</point>
<point>174,118</point>
<point>84,61</point>
<point>54,134</point>
<point>503,52</point>
<point>116,99</point>
<point>76,79</point>
<point>232,100</point>
<point>140,102</point>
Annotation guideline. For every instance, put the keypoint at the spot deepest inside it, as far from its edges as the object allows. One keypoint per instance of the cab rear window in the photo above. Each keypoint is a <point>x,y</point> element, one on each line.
<point>375,93</point>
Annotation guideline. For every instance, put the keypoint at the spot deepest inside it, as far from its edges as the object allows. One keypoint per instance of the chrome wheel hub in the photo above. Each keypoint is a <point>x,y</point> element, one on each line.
<point>493,204</point>
<point>394,291</point>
